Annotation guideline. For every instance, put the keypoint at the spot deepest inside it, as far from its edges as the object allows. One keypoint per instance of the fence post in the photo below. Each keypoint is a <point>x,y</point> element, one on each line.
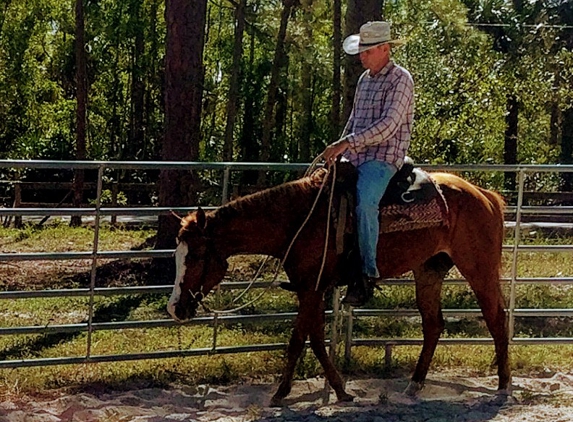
<point>333,339</point>
<point>215,329</point>
<point>388,347</point>
<point>95,249</point>
<point>17,204</point>
<point>516,240</point>
<point>226,182</point>
<point>348,341</point>
<point>114,195</point>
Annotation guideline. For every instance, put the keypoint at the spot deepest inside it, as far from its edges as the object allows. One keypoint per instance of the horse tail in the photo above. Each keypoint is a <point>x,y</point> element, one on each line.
<point>497,204</point>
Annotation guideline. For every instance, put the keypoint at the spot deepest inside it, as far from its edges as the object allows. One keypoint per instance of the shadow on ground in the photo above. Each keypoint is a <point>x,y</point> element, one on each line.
<point>376,400</point>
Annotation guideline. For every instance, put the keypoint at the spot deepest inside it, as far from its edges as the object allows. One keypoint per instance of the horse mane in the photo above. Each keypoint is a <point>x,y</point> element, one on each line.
<point>271,200</point>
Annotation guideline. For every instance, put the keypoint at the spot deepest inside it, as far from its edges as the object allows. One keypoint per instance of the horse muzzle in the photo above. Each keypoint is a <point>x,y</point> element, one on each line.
<point>182,312</point>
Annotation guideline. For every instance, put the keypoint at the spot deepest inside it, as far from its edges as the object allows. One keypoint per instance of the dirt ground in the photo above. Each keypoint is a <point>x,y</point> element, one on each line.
<point>451,398</point>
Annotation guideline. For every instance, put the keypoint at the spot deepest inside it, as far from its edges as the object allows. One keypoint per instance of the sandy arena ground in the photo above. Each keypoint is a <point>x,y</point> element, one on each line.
<point>445,398</point>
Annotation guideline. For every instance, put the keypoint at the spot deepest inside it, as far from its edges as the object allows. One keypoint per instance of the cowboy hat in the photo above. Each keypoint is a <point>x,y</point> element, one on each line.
<point>371,35</point>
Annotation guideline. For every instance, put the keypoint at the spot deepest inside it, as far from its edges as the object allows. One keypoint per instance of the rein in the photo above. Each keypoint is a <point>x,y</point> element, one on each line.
<point>274,282</point>
<point>199,296</point>
<point>327,235</point>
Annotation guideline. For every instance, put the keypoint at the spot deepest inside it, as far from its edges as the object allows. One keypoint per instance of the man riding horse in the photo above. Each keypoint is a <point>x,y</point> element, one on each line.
<point>375,140</point>
<point>469,235</point>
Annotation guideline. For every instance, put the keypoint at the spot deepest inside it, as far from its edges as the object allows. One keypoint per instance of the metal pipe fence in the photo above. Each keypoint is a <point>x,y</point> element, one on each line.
<point>345,317</point>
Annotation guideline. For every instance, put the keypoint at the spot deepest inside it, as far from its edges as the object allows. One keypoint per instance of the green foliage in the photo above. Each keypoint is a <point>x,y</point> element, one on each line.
<point>459,103</point>
<point>37,88</point>
<point>107,198</point>
<point>464,71</point>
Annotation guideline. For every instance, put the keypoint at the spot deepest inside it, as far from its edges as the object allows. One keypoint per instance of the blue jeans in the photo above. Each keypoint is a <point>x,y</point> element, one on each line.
<point>373,179</point>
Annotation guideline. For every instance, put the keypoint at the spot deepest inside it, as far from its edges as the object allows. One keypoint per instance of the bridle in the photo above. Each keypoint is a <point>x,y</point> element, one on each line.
<point>199,296</point>
<point>209,256</point>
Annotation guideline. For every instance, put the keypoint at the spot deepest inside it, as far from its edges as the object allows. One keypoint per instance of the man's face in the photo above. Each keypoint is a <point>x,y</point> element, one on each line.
<point>375,58</point>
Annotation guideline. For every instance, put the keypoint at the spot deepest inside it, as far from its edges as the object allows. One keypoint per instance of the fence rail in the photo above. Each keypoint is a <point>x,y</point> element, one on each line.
<point>518,211</point>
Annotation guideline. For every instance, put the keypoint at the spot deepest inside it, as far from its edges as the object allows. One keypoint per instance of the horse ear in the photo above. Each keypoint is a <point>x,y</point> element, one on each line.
<point>200,218</point>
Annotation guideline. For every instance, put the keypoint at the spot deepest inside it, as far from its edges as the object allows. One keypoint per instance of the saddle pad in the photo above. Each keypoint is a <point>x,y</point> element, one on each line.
<point>399,217</point>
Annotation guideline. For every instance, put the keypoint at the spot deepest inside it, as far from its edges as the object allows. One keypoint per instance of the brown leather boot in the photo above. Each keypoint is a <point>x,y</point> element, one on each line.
<point>360,292</point>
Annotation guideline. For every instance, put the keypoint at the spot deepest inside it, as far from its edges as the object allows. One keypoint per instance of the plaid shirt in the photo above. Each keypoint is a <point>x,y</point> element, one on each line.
<point>380,124</point>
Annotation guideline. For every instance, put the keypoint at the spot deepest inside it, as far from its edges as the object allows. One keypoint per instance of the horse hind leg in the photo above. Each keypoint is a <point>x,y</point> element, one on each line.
<point>491,301</point>
<point>317,343</point>
<point>429,278</point>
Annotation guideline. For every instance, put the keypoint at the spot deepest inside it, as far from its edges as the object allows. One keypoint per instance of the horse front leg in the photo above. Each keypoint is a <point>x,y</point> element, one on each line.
<point>309,321</point>
<point>294,350</point>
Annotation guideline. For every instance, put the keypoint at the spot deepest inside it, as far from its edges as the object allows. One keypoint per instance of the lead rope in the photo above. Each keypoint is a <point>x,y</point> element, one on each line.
<point>309,213</point>
<point>235,300</point>
<point>274,282</point>
<point>327,235</point>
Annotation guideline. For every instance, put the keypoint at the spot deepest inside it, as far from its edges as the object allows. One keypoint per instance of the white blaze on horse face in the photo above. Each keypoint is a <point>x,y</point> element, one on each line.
<point>180,268</point>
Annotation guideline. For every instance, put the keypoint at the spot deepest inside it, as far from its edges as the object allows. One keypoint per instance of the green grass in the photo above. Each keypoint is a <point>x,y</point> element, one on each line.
<point>58,237</point>
<point>250,366</point>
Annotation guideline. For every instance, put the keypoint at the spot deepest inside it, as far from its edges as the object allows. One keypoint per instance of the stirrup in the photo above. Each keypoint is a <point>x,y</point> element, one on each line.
<point>359,293</point>
<point>288,286</point>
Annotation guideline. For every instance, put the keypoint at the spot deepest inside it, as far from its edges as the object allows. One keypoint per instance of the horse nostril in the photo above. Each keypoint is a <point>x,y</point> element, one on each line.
<point>180,313</point>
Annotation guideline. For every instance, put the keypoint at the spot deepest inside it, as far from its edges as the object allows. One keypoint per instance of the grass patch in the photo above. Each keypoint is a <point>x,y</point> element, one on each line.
<point>476,360</point>
<point>59,237</point>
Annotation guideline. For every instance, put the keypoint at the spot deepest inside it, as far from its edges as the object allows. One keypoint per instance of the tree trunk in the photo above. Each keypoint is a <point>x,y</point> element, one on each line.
<point>184,74</point>
<point>567,148</point>
<point>510,144</point>
<point>336,78</point>
<point>154,83</point>
<point>81,109</point>
<point>554,123</point>
<point>116,97</point>
<point>250,133</point>
<point>233,98</point>
<point>358,12</point>
<point>306,81</point>
<point>278,61</point>
<point>135,140</point>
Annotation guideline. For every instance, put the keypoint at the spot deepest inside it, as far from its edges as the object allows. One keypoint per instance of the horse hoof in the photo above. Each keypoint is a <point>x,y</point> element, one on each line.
<point>276,402</point>
<point>345,398</point>
<point>413,388</point>
<point>503,392</point>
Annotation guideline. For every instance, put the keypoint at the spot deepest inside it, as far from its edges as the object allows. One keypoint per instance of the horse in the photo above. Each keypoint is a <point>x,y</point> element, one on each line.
<point>266,223</point>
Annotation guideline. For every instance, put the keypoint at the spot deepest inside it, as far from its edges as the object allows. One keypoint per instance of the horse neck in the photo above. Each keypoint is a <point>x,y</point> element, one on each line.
<point>263,223</point>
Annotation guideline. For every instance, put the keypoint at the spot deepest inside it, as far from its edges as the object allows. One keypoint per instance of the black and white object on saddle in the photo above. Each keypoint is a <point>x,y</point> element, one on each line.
<point>408,186</point>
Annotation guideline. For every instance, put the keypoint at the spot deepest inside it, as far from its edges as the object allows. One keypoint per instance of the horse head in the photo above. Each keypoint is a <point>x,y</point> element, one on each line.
<point>199,268</point>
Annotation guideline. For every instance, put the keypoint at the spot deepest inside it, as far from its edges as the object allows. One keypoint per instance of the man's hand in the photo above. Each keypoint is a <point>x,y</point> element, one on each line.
<point>334,150</point>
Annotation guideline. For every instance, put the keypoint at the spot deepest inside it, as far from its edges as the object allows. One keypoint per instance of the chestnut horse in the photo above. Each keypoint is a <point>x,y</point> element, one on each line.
<point>266,222</point>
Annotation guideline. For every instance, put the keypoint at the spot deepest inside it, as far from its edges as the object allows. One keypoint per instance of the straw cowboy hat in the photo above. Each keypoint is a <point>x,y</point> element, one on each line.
<point>371,34</point>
